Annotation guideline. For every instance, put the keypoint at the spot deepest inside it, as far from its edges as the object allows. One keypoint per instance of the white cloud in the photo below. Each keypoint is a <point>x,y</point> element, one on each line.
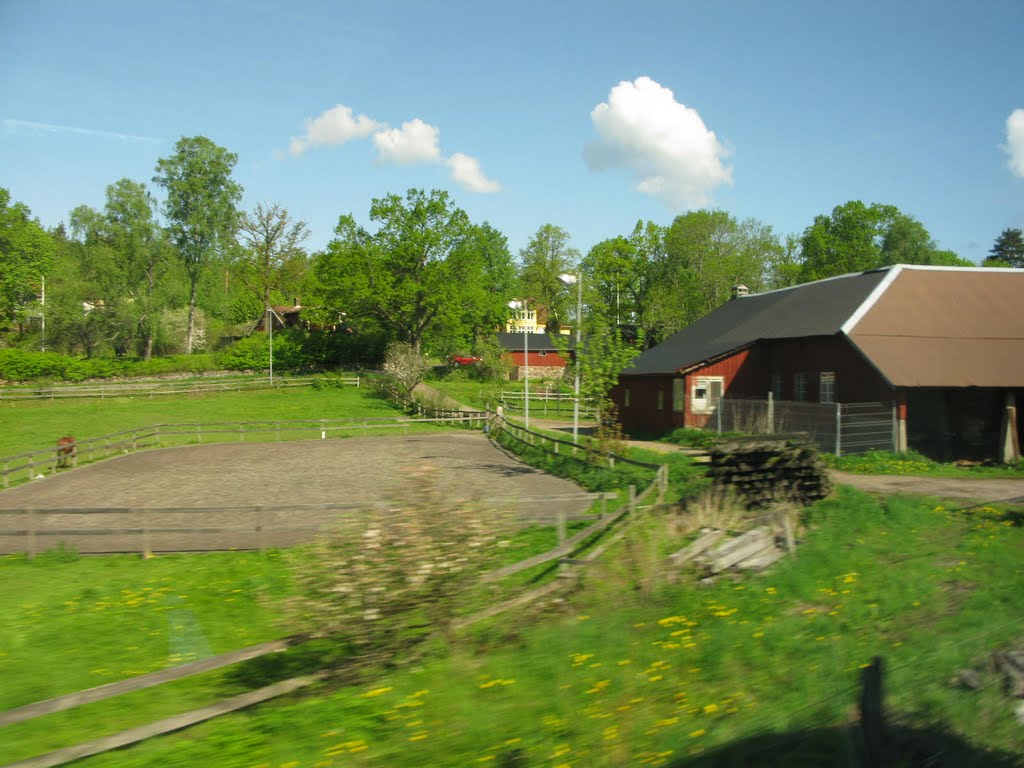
<point>336,125</point>
<point>674,156</point>
<point>1015,142</point>
<point>415,142</point>
<point>467,174</point>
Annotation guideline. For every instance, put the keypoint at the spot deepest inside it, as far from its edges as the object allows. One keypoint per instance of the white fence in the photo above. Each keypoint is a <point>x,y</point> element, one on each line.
<point>839,428</point>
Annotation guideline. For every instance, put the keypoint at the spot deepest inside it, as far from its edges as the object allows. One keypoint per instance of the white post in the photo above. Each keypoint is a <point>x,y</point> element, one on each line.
<point>839,429</point>
<point>576,358</point>
<point>526,374</point>
<point>771,413</point>
<point>270,330</point>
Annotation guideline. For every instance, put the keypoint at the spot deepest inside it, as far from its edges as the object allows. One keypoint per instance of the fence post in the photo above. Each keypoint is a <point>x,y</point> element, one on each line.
<point>147,544</point>
<point>561,527</point>
<point>872,716</point>
<point>632,499</point>
<point>839,429</point>
<point>31,534</point>
<point>718,415</point>
<point>771,413</point>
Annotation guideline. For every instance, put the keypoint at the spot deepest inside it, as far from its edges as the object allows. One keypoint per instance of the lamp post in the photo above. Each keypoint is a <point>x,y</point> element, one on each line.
<point>569,279</point>
<point>270,331</point>
<point>521,307</point>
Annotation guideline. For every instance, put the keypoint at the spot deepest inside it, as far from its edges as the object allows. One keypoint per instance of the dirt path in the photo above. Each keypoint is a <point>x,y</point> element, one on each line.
<point>977,489</point>
<point>463,466</point>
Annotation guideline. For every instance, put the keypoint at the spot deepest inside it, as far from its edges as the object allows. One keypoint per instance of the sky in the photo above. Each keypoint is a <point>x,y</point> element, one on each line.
<point>587,115</point>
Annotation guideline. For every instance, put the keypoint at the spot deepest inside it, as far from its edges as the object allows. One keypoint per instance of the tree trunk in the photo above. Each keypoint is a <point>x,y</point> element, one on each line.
<point>190,334</point>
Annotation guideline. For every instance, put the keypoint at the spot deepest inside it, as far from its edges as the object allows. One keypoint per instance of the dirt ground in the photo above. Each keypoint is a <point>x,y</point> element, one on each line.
<point>302,476</point>
<point>1010,491</point>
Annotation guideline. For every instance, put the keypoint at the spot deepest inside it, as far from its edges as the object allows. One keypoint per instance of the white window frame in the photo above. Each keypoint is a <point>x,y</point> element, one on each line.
<point>827,387</point>
<point>702,398</point>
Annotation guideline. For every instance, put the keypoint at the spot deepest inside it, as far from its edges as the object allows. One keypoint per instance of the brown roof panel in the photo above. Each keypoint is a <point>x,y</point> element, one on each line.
<point>947,328</point>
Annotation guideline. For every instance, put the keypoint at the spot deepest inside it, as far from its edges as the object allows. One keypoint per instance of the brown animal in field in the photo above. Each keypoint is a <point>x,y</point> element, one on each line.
<point>65,451</point>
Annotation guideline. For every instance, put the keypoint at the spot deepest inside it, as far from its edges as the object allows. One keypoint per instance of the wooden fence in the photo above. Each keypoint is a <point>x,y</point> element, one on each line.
<point>28,466</point>
<point>153,388</point>
<point>547,404</point>
<point>564,551</point>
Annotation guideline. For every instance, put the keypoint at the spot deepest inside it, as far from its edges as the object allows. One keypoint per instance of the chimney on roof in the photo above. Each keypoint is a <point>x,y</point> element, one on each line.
<point>740,290</point>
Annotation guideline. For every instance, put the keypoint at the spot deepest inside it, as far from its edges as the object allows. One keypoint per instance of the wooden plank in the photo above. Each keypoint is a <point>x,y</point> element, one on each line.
<point>70,700</point>
<point>168,725</point>
<point>740,548</point>
<point>698,547</point>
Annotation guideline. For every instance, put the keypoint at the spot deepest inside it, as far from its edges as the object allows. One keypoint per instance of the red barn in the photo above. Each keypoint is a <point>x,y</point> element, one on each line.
<point>945,344</point>
<point>538,351</point>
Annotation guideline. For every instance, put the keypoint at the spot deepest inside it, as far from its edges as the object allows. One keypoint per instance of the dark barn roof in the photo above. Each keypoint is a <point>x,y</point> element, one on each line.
<point>813,309</point>
<point>918,326</point>
<point>538,342</point>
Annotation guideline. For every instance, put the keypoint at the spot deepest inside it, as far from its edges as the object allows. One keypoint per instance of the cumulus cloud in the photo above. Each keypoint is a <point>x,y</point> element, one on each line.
<point>1015,142</point>
<point>336,125</point>
<point>415,142</point>
<point>665,144</point>
<point>467,174</point>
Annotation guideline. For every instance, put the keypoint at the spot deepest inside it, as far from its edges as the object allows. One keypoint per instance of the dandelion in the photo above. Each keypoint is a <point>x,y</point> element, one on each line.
<point>698,733</point>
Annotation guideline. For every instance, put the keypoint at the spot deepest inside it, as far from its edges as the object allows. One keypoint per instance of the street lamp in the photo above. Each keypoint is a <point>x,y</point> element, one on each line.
<point>521,306</point>
<point>270,332</point>
<point>569,279</point>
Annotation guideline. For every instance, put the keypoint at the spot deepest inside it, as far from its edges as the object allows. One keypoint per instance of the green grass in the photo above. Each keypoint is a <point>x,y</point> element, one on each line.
<point>625,677</point>
<point>913,463</point>
<point>34,425</point>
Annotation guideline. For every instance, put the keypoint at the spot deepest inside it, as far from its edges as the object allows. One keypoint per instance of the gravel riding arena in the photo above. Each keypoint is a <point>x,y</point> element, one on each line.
<point>255,495</point>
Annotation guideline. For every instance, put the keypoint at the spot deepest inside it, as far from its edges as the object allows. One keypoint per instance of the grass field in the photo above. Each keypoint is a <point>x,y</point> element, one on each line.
<point>631,671</point>
<point>32,425</point>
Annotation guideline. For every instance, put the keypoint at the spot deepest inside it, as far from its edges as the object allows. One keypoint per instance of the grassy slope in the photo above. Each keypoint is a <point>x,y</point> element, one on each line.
<point>626,676</point>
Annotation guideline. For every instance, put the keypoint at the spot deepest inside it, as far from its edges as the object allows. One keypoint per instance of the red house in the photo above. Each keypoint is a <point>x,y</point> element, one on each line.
<point>945,344</point>
<point>538,351</point>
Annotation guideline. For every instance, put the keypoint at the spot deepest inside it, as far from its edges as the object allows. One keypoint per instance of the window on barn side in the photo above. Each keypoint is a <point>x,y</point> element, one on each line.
<point>827,387</point>
<point>706,392</point>
<point>800,387</point>
<point>678,395</point>
<point>776,386</point>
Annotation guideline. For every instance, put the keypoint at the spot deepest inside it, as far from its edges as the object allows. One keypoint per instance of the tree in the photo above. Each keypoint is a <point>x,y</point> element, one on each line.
<point>1008,249</point>
<point>26,254</point>
<point>271,258</point>
<point>544,258</point>
<point>200,208</point>
<point>707,253</point>
<point>426,277</point>
<point>856,238</point>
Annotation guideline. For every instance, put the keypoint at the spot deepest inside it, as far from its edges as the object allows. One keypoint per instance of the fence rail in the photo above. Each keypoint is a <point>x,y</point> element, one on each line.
<point>126,441</point>
<point>839,428</point>
<point>542,402</point>
<point>151,389</point>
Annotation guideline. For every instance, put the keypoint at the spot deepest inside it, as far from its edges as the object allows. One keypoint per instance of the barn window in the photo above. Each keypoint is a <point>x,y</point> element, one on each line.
<point>661,399</point>
<point>827,387</point>
<point>625,397</point>
<point>543,353</point>
<point>776,387</point>
<point>678,395</point>
<point>706,392</point>
<point>800,387</point>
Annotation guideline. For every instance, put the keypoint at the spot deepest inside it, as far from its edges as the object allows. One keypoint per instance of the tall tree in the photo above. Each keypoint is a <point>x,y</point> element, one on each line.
<point>544,258</point>
<point>707,253</point>
<point>1008,249</point>
<point>200,208</point>
<point>416,279</point>
<point>140,253</point>
<point>26,253</point>
<point>857,237</point>
<point>271,258</point>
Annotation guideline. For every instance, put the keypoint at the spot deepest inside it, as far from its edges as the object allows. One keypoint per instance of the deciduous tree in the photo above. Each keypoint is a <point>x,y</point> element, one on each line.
<point>26,254</point>
<point>544,258</point>
<point>271,258</point>
<point>200,207</point>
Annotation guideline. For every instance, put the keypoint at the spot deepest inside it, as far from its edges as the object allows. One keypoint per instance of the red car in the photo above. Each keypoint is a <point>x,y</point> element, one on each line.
<point>458,360</point>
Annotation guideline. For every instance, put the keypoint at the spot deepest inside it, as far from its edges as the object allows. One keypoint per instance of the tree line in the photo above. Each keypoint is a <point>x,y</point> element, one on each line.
<point>141,277</point>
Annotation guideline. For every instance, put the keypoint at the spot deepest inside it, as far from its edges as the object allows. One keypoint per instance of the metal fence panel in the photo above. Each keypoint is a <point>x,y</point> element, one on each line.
<point>833,428</point>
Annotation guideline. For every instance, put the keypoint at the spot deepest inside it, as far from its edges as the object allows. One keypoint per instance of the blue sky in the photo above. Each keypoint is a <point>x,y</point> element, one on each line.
<point>587,115</point>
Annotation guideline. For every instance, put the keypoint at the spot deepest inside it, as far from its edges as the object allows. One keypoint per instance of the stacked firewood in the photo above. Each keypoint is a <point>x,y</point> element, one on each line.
<point>767,470</point>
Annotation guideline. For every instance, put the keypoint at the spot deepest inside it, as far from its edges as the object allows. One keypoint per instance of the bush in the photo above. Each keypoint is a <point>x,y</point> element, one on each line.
<point>17,365</point>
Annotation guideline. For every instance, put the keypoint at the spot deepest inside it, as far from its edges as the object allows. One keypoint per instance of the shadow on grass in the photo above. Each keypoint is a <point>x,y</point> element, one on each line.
<point>842,747</point>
